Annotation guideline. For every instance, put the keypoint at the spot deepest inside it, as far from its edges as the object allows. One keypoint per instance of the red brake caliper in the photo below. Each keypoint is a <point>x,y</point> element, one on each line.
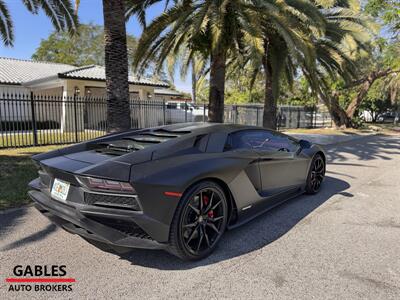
<point>205,202</point>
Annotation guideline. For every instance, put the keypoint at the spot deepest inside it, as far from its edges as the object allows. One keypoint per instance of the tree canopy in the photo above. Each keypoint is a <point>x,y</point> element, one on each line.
<point>84,48</point>
<point>387,10</point>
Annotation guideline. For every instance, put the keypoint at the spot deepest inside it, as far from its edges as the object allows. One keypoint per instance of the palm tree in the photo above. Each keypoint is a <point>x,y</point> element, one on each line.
<point>213,29</point>
<point>312,43</point>
<point>282,38</point>
<point>115,13</point>
<point>60,12</point>
<point>347,35</point>
<point>116,64</point>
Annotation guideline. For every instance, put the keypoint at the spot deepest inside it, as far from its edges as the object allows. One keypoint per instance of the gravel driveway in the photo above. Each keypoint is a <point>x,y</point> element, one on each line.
<point>343,243</point>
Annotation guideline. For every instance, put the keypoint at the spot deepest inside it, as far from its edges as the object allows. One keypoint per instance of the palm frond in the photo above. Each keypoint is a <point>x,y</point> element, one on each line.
<point>6,25</point>
<point>60,13</point>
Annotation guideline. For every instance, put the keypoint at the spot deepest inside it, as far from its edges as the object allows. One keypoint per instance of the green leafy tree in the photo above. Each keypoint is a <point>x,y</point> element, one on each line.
<point>382,65</point>
<point>84,48</point>
<point>60,13</point>
<point>341,53</point>
<point>377,100</point>
<point>299,93</point>
<point>387,10</point>
<point>240,88</point>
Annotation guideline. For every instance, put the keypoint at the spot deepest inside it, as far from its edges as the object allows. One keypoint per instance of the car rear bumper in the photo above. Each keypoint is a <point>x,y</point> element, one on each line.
<point>114,227</point>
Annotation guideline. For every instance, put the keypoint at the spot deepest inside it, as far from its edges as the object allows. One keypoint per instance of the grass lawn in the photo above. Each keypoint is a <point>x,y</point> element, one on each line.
<point>367,128</point>
<point>16,170</point>
<point>45,137</point>
<point>387,128</point>
<point>328,131</point>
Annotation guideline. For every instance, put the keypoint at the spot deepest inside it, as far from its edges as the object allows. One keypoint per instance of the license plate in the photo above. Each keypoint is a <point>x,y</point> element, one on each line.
<point>60,190</point>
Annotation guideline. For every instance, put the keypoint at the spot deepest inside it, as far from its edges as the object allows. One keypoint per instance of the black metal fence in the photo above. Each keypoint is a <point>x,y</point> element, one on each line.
<point>288,117</point>
<point>30,120</point>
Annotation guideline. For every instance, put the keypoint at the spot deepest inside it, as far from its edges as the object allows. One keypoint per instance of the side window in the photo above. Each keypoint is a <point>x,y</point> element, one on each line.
<point>280,141</point>
<point>260,140</point>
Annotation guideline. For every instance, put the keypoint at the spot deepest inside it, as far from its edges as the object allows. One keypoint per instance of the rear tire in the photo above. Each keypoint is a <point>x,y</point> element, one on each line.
<point>316,175</point>
<point>199,221</point>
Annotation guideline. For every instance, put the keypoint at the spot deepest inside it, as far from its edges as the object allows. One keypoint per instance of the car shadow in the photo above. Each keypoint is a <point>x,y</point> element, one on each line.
<point>40,235</point>
<point>11,218</point>
<point>250,237</point>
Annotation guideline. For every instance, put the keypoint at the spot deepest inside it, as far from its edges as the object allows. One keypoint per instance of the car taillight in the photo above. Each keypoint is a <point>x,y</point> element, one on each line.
<point>105,184</point>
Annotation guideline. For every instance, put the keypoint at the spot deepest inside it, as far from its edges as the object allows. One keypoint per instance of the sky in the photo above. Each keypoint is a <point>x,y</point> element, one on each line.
<point>30,29</point>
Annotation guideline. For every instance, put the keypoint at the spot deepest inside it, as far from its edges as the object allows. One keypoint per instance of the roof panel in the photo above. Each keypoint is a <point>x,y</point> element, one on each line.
<point>168,92</point>
<point>95,72</point>
<point>17,71</point>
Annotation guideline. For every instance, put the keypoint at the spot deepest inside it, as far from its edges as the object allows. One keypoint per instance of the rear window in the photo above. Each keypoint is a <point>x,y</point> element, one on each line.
<point>137,142</point>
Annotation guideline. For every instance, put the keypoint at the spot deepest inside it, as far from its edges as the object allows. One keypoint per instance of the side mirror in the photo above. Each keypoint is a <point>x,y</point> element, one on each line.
<point>303,144</point>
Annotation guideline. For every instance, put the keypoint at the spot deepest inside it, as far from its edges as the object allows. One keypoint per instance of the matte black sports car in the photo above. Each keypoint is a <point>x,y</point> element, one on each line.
<point>176,187</point>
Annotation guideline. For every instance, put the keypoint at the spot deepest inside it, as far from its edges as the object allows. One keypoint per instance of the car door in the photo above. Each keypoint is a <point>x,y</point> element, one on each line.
<point>281,167</point>
<point>235,148</point>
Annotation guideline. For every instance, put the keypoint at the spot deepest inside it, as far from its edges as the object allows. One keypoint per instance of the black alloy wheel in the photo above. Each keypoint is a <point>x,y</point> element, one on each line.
<point>316,175</point>
<point>201,221</point>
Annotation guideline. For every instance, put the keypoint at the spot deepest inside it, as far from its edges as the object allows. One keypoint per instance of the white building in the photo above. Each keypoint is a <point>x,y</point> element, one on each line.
<point>19,78</point>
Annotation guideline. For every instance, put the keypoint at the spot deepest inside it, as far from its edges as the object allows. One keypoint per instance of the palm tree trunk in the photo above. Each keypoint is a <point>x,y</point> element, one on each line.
<point>217,86</point>
<point>270,105</point>
<point>194,81</point>
<point>116,63</point>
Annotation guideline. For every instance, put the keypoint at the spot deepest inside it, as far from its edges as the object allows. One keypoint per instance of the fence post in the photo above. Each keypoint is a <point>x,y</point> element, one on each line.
<point>76,119</point>
<point>186,111</point>
<point>315,116</point>
<point>236,113</point>
<point>298,117</point>
<point>1,118</point>
<point>278,118</point>
<point>257,116</point>
<point>34,129</point>
<point>164,120</point>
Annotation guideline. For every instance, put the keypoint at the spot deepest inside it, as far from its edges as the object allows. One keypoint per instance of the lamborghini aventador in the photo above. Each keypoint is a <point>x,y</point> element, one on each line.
<point>176,187</point>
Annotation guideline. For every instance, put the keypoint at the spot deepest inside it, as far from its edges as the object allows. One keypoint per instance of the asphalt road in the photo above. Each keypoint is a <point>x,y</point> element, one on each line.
<point>343,243</point>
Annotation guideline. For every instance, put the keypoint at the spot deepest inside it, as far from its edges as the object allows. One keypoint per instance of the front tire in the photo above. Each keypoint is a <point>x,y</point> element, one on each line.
<point>199,222</point>
<point>316,175</point>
